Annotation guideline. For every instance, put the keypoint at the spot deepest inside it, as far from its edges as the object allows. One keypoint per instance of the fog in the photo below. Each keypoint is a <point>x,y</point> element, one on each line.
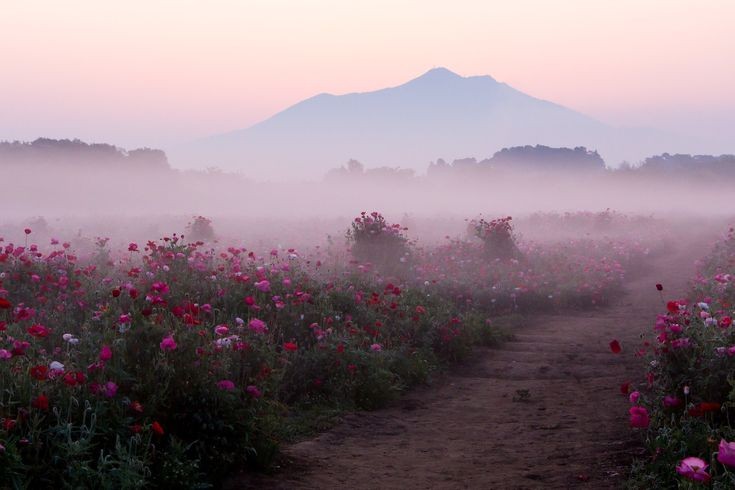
<point>132,204</point>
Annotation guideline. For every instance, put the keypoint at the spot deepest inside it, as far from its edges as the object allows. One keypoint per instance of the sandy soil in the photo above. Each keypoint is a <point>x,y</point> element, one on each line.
<point>474,428</point>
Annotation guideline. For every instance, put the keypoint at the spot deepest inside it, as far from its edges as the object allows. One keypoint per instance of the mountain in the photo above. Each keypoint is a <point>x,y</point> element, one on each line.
<point>439,114</point>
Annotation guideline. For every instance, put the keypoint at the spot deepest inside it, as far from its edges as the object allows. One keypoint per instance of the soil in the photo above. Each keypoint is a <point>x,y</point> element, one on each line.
<point>542,410</point>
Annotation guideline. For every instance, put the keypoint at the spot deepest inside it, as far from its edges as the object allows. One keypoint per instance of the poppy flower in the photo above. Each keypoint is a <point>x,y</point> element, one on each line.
<point>105,353</point>
<point>726,453</point>
<point>39,373</point>
<point>290,346</point>
<point>639,417</point>
<point>615,347</point>
<point>157,428</point>
<point>40,402</point>
<point>5,304</point>
<point>700,409</point>
<point>38,331</point>
<point>693,469</point>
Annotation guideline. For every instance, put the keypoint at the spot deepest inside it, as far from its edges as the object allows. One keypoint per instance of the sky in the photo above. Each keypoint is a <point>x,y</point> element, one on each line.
<point>157,73</point>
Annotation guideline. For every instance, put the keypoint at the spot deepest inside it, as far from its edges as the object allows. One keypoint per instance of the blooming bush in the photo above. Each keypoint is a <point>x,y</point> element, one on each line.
<point>375,241</point>
<point>497,237</point>
<point>690,389</point>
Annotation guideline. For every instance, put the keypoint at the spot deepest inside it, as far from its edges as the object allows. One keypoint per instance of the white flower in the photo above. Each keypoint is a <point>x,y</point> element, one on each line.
<point>703,306</point>
<point>56,366</point>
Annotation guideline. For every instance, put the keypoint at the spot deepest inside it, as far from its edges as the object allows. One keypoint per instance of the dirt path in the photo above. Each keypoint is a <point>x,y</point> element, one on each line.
<point>476,429</point>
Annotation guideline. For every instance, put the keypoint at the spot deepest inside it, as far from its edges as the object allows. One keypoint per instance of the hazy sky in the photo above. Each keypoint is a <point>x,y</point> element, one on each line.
<point>143,72</point>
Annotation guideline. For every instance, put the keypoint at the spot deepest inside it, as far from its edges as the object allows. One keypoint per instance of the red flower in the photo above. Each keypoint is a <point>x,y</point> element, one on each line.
<point>157,428</point>
<point>290,346</point>
<point>673,306</point>
<point>615,347</point>
<point>39,373</point>
<point>38,331</point>
<point>5,304</point>
<point>27,231</point>
<point>702,408</point>
<point>40,402</point>
<point>115,293</point>
<point>625,388</point>
<point>659,287</point>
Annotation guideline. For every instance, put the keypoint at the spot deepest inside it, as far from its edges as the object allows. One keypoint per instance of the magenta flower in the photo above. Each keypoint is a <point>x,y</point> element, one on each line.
<point>639,417</point>
<point>221,329</point>
<point>376,347</point>
<point>726,453</point>
<point>168,343</point>
<point>4,354</point>
<point>105,353</point>
<point>257,326</point>
<point>671,401</point>
<point>253,391</point>
<point>263,286</point>
<point>633,397</point>
<point>110,389</point>
<point>225,385</point>
<point>694,469</point>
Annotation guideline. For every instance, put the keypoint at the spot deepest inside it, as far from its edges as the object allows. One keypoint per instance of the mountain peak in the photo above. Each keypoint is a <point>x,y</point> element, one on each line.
<point>440,71</point>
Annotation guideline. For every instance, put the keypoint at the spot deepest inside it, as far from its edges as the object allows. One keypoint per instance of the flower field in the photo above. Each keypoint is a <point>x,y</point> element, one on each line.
<point>172,363</point>
<point>685,408</point>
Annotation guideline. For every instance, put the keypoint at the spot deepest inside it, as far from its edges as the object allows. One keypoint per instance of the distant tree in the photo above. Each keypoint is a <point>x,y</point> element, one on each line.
<point>76,153</point>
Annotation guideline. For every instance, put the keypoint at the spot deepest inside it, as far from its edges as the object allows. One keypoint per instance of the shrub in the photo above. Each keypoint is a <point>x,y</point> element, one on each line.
<point>376,242</point>
<point>497,237</point>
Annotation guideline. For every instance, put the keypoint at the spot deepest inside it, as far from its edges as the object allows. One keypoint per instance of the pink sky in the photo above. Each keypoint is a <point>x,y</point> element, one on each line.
<point>158,72</point>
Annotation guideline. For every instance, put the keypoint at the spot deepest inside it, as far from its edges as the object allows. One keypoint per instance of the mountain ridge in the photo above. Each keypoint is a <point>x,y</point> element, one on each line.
<point>437,114</point>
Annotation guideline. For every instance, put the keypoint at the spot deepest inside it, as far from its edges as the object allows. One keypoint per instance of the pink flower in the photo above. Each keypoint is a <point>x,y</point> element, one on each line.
<point>110,389</point>
<point>633,397</point>
<point>726,453</point>
<point>221,329</point>
<point>225,385</point>
<point>263,286</point>
<point>168,343</point>
<point>125,318</point>
<point>133,247</point>
<point>680,343</point>
<point>253,391</point>
<point>693,469</point>
<point>105,353</point>
<point>4,354</point>
<point>376,347</point>
<point>257,326</point>
<point>639,417</point>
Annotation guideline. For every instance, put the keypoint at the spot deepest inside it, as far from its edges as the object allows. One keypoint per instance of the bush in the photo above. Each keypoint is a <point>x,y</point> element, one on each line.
<point>497,237</point>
